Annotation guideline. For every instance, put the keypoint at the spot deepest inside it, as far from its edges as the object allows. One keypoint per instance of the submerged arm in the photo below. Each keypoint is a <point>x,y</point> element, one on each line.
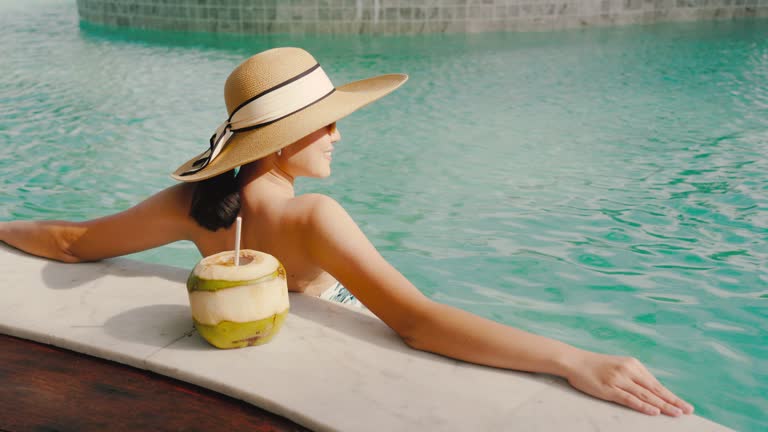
<point>336,243</point>
<point>159,220</point>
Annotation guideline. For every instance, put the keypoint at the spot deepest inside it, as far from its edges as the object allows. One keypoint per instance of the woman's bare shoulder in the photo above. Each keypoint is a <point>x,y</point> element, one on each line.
<point>312,200</point>
<point>311,208</point>
<point>173,203</point>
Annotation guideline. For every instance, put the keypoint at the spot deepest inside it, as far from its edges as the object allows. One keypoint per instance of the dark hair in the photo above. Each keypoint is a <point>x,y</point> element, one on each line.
<point>216,201</point>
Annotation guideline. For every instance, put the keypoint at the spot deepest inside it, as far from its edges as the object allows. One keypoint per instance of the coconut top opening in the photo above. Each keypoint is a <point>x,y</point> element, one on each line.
<point>231,261</point>
<point>227,259</point>
<point>221,266</point>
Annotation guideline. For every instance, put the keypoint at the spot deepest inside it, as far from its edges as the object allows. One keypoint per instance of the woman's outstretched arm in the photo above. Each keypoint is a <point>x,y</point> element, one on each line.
<point>336,243</point>
<point>159,220</point>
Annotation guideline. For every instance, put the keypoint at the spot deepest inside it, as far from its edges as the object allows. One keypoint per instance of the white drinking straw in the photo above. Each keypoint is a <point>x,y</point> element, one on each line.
<point>238,225</point>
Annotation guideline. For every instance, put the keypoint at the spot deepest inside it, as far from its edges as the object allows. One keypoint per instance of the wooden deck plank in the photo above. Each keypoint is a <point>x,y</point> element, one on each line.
<point>44,388</point>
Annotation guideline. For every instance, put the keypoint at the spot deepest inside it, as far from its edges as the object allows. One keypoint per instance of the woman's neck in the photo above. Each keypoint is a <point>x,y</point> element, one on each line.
<point>265,174</point>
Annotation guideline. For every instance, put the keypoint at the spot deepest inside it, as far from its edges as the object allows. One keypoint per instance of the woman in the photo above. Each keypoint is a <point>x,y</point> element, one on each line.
<point>283,110</point>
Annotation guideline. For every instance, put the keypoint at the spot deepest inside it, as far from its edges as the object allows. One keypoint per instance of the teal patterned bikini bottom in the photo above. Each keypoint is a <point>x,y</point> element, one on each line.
<point>339,294</point>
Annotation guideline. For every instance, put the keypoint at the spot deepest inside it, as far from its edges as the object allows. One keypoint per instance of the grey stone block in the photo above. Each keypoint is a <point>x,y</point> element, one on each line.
<point>402,16</point>
<point>392,14</point>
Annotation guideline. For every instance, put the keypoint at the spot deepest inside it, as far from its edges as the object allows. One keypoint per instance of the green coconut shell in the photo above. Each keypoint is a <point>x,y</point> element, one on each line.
<point>195,283</point>
<point>228,334</point>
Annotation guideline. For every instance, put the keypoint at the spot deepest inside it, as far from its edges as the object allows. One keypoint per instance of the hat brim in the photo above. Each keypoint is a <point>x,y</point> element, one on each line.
<point>248,146</point>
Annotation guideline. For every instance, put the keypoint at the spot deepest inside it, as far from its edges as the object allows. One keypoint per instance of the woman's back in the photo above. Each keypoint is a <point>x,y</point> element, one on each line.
<point>272,223</point>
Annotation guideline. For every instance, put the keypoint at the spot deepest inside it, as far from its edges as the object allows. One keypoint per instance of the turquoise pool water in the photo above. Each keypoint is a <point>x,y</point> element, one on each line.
<point>605,187</point>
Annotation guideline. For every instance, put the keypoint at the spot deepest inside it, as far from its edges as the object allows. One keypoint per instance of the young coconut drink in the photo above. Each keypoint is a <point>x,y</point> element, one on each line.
<point>238,304</point>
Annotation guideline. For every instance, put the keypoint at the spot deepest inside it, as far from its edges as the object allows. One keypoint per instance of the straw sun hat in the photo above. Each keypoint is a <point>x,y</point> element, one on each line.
<point>274,99</point>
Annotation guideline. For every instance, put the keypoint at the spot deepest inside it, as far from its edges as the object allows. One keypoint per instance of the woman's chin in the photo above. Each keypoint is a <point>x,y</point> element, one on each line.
<point>321,173</point>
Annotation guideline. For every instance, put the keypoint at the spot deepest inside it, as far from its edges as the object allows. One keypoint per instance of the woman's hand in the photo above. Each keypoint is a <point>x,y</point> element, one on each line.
<point>626,381</point>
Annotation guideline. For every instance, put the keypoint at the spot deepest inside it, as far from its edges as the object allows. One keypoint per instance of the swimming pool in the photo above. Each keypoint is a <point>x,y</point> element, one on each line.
<point>605,187</point>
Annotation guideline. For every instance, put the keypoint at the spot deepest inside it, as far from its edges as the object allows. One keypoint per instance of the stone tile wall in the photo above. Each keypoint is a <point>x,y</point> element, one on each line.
<point>402,16</point>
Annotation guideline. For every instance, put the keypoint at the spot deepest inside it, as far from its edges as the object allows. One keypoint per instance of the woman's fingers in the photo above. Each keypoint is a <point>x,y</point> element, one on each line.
<point>648,397</point>
<point>626,381</point>
<point>651,383</point>
<point>625,398</point>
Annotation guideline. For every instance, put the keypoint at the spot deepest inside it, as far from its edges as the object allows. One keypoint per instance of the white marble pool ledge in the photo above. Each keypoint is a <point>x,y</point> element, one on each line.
<point>330,368</point>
